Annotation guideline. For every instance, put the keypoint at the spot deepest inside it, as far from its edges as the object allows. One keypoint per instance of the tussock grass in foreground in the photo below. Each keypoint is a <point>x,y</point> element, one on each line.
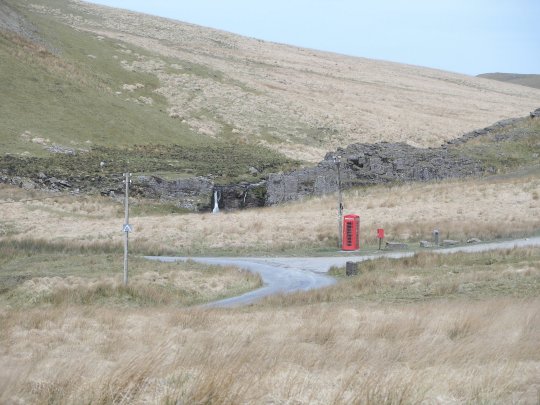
<point>351,344</point>
<point>461,351</point>
<point>35,273</point>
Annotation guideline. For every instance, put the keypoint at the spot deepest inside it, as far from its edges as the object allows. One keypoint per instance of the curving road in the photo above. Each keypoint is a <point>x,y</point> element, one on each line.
<point>289,274</point>
<point>276,278</point>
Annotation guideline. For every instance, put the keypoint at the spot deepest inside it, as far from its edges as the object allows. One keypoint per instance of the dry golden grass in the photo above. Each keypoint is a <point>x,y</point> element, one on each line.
<point>428,276</point>
<point>347,344</point>
<point>334,346</point>
<point>156,287</point>
<point>298,101</point>
<point>37,273</point>
<point>484,208</point>
<point>439,352</point>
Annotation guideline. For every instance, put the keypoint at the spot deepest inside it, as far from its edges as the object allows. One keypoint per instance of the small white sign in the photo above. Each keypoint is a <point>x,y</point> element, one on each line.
<point>127,228</point>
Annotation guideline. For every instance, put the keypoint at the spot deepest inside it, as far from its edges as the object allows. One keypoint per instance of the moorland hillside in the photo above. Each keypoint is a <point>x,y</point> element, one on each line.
<point>104,76</point>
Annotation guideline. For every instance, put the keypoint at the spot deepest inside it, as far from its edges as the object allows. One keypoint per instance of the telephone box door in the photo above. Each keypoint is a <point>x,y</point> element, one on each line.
<point>351,232</point>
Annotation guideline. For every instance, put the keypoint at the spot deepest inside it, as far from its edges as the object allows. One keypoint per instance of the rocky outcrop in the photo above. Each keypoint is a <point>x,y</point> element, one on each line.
<point>359,165</point>
<point>198,193</point>
<point>362,164</point>
<point>194,194</point>
<point>319,180</point>
<point>367,164</point>
<point>41,182</point>
<point>499,125</point>
<point>242,195</point>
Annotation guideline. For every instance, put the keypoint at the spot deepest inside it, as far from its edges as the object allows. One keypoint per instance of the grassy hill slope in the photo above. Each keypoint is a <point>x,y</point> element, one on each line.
<point>71,103</point>
<point>298,101</point>
<point>68,93</point>
<point>113,78</point>
<point>531,80</point>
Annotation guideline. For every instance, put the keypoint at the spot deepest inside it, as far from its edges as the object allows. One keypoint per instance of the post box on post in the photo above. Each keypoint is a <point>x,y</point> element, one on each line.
<point>380,236</point>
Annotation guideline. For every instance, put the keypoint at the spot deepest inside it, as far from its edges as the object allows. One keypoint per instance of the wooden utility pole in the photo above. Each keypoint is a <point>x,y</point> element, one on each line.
<point>127,226</point>
<point>337,160</point>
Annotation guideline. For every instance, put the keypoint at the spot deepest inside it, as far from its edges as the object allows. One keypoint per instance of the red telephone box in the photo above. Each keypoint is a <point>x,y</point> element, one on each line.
<point>351,232</point>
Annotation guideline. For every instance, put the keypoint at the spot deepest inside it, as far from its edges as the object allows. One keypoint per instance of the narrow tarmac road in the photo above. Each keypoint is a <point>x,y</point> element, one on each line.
<point>290,274</point>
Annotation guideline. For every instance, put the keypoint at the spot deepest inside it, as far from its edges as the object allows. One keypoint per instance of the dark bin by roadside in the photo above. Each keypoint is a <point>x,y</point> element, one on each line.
<point>351,268</point>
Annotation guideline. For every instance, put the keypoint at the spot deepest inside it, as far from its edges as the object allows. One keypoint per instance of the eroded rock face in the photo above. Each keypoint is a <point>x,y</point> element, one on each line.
<point>242,195</point>
<point>360,165</point>
<point>194,194</point>
<point>198,193</point>
<point>363,164</point>
<point>367,164</point>
<point>384,162</point>
<point>319,180</point>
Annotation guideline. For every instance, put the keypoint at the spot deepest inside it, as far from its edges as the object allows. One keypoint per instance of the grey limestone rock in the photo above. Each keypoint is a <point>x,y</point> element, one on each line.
<point>193,193</point>
<point>367,164</point>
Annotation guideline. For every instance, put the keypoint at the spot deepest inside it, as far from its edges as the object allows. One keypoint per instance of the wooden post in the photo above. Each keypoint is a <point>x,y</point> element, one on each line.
<point>127,227</point>
<point>337,160</point>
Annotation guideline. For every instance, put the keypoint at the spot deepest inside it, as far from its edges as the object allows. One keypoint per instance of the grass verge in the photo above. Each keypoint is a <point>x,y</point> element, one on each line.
<point>35,273</point>
<point>430,276</point>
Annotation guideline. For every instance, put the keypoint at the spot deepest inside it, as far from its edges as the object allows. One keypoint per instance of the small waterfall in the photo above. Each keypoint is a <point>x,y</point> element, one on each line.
<point>216,202</point>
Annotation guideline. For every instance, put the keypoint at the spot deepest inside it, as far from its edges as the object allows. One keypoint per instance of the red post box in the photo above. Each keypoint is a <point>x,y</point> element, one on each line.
<point>351,232</point>
<point>380,236</point>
